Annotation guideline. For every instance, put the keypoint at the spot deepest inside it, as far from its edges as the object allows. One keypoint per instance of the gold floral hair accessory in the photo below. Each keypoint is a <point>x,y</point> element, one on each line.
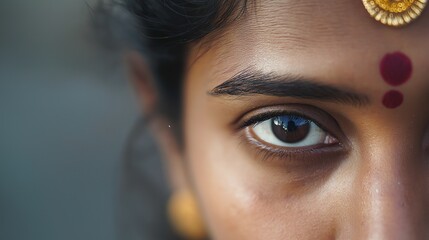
<point>395,13</point>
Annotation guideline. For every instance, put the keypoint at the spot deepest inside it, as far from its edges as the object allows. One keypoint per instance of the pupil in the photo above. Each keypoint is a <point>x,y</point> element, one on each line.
<point>290,129</point>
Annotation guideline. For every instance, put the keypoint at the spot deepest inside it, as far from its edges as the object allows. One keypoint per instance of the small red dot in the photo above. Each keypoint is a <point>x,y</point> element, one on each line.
<point>396,68</point>
<point>393,99</point>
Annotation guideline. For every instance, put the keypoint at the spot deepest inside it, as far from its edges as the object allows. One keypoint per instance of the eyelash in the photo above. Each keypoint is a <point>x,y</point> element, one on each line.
<point>303,155</point>
<point>268,115</point>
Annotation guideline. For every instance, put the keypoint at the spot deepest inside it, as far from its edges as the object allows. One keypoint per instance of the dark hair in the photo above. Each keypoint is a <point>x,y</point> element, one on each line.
<point>166,28</point>
<point>163,31</point>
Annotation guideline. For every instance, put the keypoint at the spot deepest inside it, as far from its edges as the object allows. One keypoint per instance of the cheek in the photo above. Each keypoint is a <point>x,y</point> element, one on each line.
<point>239,197</point>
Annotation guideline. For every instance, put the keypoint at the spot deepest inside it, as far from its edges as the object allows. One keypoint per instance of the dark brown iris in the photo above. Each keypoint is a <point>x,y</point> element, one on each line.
<point>290,129</point>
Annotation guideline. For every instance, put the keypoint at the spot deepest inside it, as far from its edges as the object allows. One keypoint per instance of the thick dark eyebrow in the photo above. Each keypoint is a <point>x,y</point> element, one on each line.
<point>250,82</point>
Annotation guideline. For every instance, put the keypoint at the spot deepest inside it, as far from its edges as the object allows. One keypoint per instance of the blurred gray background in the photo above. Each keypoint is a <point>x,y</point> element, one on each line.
<point>65,112</point>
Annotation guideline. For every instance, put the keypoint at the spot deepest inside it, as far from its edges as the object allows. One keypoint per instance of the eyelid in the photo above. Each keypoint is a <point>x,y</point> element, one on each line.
<point>295,157</point>
<point>321,118</point>
<point>268,115</point>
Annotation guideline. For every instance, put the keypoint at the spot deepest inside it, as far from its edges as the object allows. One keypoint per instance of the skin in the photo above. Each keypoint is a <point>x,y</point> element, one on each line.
<point>376,186</point>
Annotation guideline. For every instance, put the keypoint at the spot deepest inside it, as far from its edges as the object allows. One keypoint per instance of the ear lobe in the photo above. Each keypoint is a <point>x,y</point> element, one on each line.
<point>172,155</point>
<point>142,80</point>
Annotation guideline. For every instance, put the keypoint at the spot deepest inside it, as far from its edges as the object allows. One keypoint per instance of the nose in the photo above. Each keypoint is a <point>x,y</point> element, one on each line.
<point>390,200</point>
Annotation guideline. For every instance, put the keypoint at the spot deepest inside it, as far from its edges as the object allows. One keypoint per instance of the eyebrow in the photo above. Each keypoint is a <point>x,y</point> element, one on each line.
<point>250,82</point>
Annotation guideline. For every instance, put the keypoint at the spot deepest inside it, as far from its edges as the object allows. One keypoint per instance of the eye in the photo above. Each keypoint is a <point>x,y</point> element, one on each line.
<point>291,131</point>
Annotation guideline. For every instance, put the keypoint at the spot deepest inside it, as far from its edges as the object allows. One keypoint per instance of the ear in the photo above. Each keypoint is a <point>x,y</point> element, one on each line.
<point>142,81</point>
<point>144,84</point>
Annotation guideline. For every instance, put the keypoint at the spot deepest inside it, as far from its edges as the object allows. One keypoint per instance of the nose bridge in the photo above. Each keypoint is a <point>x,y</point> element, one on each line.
<point>388,183</point>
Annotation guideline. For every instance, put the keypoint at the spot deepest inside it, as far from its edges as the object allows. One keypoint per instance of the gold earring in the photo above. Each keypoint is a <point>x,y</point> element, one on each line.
<point>185,216</point>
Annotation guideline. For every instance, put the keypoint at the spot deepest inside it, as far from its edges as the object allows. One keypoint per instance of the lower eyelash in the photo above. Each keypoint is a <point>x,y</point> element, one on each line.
<point>267,152</point>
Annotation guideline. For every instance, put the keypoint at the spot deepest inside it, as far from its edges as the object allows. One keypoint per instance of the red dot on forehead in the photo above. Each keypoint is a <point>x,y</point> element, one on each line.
<point>393,99</point>
<point>396,68</point>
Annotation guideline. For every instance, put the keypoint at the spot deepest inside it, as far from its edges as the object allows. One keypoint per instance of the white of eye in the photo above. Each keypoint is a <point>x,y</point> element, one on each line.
<point>315,136</point>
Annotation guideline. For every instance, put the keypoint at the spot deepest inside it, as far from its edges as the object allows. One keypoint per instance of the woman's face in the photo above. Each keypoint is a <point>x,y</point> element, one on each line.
<point>291,133</point>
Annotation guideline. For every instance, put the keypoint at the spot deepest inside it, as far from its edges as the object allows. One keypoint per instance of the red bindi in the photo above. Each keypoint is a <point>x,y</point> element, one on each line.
<point>393,99</point>
<point>396,68</point>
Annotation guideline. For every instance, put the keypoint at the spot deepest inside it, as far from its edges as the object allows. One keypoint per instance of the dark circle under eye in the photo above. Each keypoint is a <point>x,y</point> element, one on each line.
<point>290,129</point>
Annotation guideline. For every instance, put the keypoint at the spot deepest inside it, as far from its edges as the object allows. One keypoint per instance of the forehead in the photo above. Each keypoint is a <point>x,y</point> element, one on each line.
<point>312,36</point>
<point>332,22</point>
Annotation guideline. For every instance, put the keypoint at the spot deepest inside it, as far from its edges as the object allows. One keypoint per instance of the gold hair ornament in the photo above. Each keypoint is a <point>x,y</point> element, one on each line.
<point>395,13</point>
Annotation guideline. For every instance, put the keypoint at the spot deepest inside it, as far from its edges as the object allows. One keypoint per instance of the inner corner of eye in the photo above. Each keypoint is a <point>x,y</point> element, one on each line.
<point>329,139</point>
